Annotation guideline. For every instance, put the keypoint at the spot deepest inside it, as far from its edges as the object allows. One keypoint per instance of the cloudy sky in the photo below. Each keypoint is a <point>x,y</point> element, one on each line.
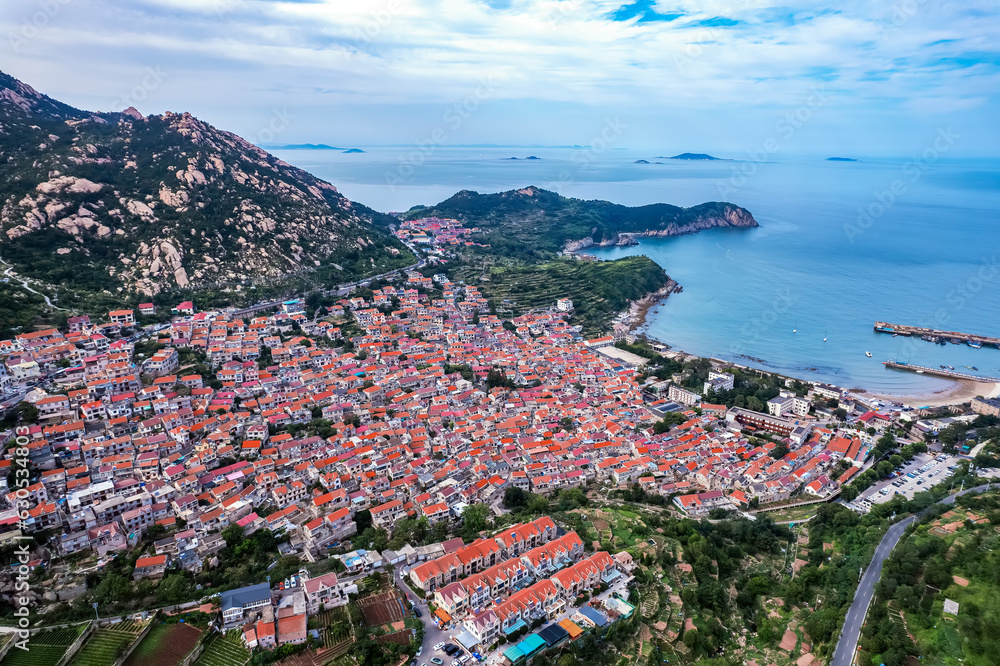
<point>870,78</point>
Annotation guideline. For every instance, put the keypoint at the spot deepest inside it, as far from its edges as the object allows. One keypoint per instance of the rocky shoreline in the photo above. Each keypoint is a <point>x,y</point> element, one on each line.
<point>635,316</point>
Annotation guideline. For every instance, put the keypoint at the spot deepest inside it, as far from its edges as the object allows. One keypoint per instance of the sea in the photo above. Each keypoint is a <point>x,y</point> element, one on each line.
<point>910,240</point>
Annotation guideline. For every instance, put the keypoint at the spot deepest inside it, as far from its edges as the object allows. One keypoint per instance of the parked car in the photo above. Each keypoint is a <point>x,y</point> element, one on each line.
<point>437,660</point>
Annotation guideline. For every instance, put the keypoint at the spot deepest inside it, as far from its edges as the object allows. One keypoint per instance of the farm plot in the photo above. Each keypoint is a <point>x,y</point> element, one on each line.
<point>47,648</point>
<point>399,637</point>
<point>165,645</point>
<point>382,608</point>
<point>224,650</point>
<point>107,644</point>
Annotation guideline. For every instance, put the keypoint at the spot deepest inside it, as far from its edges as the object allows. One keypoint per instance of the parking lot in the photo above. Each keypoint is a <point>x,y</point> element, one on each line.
<point>923,472</point>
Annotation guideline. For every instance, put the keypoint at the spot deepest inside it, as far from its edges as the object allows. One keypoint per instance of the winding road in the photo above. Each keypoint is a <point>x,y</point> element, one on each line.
<point>24,283</point>
<point>851,633</point>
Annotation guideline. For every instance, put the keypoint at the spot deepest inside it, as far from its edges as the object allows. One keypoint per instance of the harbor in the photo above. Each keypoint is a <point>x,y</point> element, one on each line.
<point>939,372</point>
<point>936,336</point>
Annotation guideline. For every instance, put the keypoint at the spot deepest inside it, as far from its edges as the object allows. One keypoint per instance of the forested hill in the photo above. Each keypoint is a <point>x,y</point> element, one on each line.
<point>542,223</point>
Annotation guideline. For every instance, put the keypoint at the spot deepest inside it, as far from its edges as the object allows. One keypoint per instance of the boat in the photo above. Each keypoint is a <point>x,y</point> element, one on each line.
<point>942,367</point>
<point>951,367</point>
<point>975,345</point>
<point>967,366</point>
<point>868,354</point>
<point>954,341</point>
<point>895,335</point>
<point>975,369</point>
<point>920,372</point>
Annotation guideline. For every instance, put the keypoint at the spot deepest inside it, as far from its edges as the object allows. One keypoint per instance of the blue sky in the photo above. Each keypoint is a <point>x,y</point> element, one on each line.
<point>865,78</point>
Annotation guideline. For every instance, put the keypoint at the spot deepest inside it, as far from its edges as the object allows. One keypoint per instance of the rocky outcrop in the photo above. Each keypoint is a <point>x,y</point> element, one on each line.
<point>728,217</point>
<point>146,204</point>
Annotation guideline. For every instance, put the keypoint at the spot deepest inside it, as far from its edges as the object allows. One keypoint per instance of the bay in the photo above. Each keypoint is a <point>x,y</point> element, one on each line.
<point>911,240</point>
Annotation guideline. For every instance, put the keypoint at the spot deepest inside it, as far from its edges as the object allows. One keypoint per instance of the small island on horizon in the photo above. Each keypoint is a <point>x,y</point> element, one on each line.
<point>692,156</point>
<point>842,159</point>
<point>354,150</point>
<point>529,157</point>
<point>303,146</point>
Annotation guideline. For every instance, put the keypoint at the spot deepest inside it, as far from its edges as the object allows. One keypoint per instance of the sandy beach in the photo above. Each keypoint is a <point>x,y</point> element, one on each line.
<point>957,393</point>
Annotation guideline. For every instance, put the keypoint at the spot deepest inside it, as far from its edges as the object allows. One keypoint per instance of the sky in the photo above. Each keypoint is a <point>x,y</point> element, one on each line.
<point>726,77</point>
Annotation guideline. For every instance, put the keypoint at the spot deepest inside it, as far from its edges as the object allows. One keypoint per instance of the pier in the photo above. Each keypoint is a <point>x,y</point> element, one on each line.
<point>935,335</point>
<point>949,374</point>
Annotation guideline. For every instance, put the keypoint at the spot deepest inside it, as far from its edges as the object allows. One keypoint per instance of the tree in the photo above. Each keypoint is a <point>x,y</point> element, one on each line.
<point>779,451</point>
<point>233,535</point>
<point>474,520</point>
<point>514,498</point>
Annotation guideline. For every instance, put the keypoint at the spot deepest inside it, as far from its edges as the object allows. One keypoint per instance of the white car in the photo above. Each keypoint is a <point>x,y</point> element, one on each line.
<point>439,646</point>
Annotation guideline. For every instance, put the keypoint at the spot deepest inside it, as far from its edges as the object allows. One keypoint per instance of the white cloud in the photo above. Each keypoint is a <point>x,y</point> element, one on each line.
<point>401,52</point>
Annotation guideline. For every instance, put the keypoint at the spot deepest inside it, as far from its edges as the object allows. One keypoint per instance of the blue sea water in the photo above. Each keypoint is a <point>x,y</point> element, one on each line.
<point>840,245</point>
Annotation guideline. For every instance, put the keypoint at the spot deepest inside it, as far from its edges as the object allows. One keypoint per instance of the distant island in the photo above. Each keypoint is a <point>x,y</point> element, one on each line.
<point>841,159</point>
<point>642,161</point>
<point>692,156</point>
<point>529,157</point>
<point>354,150</point>
<point>304,146</point>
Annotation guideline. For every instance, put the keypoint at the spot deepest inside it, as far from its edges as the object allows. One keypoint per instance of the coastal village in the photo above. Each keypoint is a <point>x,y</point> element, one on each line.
<point>418,408</point>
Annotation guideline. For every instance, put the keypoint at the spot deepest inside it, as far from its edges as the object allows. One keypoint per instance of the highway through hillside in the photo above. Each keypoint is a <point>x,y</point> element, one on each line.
<point>851,633</point>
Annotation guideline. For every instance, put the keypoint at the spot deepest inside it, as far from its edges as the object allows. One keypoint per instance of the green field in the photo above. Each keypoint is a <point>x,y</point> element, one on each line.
<point>224,650</point>
<point>165,645</point>
<point>46,648</point>
<point>106,645</point>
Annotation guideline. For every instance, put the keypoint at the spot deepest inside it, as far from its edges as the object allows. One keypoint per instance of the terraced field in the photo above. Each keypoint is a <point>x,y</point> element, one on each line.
<point>224,650</point>
<point>107,644</point>
<point>599,289</point>
<point>46,648</point>
<point>165,645</point>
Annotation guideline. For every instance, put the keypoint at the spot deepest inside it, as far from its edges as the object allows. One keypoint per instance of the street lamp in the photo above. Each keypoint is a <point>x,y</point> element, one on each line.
<point>95,610</point>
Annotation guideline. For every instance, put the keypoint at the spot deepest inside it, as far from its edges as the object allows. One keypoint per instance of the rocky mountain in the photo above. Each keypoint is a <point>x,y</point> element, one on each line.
<point>545,222</point>
<point>124,204</point>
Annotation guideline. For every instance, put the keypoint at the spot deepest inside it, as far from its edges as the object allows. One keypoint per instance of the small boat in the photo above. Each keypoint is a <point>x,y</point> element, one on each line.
<point>920,372</point>
<point>975,369</point>
<point>942,367</point>
<point>975,345</point>
<point>868,354</point>
<point>951,367</point>
<point>954,341</point>
<point>895,335</point>
<point>967,366</point>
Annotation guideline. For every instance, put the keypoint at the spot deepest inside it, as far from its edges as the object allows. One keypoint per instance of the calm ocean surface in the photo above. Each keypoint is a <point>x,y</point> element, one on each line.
<point>926,255</point>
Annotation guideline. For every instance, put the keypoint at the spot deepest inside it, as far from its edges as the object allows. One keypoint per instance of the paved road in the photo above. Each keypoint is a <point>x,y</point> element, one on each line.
<point>844,654</point>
